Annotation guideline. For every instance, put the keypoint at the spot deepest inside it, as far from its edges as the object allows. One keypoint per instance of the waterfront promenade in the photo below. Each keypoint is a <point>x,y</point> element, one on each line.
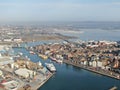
<point>99,71</point>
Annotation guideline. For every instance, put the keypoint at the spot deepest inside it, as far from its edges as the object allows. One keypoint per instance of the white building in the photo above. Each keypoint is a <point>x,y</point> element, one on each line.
<point>99,64</point>
<point>1,73</point>
<point>7,40</point>
<point>90,63</point>
<point>25,73</point>
<point>6,60</point>
<point>17,40</point>
<point>94,64</point>
<point>85,62</point>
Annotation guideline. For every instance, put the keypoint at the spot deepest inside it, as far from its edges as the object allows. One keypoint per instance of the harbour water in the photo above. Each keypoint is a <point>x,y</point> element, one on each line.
<point>69,77</point>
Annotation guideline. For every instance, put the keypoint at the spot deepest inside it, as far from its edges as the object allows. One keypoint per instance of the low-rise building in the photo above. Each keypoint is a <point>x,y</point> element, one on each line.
<point>6,60</point>
<point>10,85</point>
<point>25,73</point>
<point>99,63</point>
<point>7,40</point>
<point>17,40</point>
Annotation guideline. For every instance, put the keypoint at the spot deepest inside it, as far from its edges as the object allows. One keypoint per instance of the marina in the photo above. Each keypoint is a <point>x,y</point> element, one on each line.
<point>91,55</point>
<point>59,44</point>
<point>83,73</point>
<point>69,70</point>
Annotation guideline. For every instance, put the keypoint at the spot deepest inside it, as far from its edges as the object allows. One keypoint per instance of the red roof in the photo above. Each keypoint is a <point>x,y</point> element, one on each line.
<point>3,81</point>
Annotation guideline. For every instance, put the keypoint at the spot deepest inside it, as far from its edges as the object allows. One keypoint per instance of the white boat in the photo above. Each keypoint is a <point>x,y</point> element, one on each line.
<point>59,61</point>
<point>51,67</point>
<point>20,53</point>
<point>31,52</point>
<point>39,63</point>
<point>54,59</point>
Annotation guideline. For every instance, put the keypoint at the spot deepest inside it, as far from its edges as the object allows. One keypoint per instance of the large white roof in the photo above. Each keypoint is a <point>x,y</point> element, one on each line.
<point>23,72</point>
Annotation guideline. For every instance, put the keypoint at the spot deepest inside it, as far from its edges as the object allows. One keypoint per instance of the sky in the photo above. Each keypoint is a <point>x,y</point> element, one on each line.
<point>59,10</point>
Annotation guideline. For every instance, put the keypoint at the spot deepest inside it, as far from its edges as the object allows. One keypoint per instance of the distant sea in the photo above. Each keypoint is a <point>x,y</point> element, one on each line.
<point>97,34</point>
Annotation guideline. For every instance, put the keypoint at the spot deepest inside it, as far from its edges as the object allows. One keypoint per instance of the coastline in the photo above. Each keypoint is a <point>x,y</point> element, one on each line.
<point>91,70</point>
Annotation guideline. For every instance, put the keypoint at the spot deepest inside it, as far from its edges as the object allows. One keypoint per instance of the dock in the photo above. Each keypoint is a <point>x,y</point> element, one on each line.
<point>92,70</point>
<point>38,85</point>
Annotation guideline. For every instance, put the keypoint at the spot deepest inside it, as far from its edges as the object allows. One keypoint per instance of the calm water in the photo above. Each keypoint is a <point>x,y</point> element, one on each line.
<point>98,34</point>
<point>68,77</point>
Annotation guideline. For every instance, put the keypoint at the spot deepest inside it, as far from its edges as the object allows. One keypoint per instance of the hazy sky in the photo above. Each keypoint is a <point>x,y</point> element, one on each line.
<point>59,10</point>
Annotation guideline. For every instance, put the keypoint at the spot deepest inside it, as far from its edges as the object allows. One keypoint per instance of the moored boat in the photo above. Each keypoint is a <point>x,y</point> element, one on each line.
<point>59,61</point>
<point>31,52</point>
<point>51,67</point>
<point>53,59</point>
<point>43,56</point>
<point>39,63</point>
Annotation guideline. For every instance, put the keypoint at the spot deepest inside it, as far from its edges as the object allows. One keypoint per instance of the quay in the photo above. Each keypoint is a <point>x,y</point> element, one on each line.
<point>38,85</point>
<point>113,88</point>
<point>90,69</point>
<point>102,57</point>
